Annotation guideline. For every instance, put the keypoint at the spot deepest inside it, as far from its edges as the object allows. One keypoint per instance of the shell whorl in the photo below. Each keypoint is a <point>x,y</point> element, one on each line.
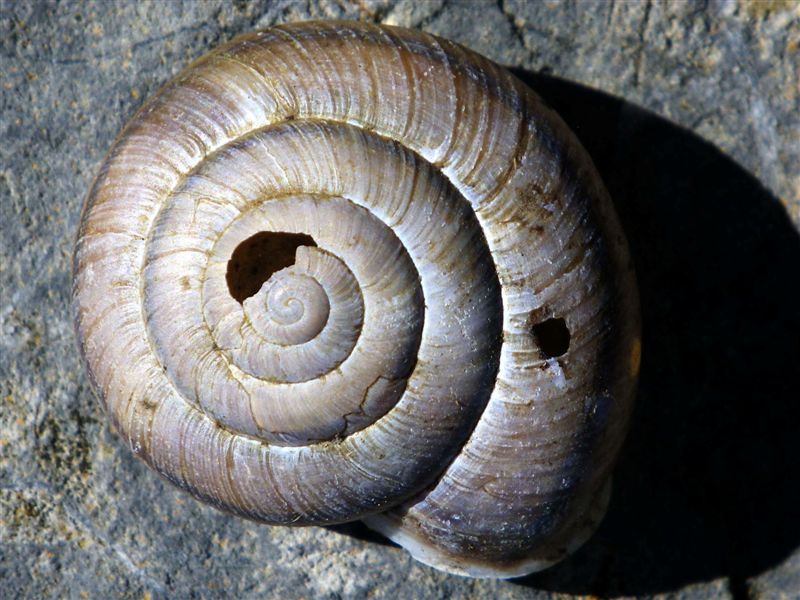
<point>437,213</point>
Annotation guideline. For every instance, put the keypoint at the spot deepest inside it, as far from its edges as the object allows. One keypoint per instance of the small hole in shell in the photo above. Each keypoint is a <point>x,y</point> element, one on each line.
<point>552,336</point>
<point>258,257</point>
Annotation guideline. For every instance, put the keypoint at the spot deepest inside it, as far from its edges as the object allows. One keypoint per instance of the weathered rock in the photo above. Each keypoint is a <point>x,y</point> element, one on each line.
<point>693,116</point>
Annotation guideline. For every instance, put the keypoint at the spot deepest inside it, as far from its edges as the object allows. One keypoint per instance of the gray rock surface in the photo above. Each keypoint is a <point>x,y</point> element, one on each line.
<point>692,112</point>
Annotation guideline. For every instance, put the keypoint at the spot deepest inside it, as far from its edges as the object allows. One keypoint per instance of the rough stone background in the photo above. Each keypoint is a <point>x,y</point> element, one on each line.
<point>692,112</point>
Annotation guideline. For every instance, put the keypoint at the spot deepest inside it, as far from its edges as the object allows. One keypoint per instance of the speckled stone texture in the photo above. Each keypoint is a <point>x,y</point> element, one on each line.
<point>692,113</point>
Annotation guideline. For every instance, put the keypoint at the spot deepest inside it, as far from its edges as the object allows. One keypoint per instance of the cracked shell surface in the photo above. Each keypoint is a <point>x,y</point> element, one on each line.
<point>395,371</point>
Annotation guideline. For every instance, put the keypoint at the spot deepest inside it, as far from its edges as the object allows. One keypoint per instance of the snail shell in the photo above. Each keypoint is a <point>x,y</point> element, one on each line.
<point>336,271</point>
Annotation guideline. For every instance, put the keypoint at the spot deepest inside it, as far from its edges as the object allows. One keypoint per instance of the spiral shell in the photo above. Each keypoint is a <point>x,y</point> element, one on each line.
<point>336,271</point>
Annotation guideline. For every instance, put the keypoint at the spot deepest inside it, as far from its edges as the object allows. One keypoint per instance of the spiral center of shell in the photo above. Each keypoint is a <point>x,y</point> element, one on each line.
<point>291,308</point>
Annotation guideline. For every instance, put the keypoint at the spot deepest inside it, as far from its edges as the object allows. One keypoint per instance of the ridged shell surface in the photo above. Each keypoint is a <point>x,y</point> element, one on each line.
<point>451,348</point>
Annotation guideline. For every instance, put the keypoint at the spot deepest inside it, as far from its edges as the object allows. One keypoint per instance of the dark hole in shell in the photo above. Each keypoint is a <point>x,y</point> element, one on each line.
<point>552,336</point>
<point>258,257</point>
